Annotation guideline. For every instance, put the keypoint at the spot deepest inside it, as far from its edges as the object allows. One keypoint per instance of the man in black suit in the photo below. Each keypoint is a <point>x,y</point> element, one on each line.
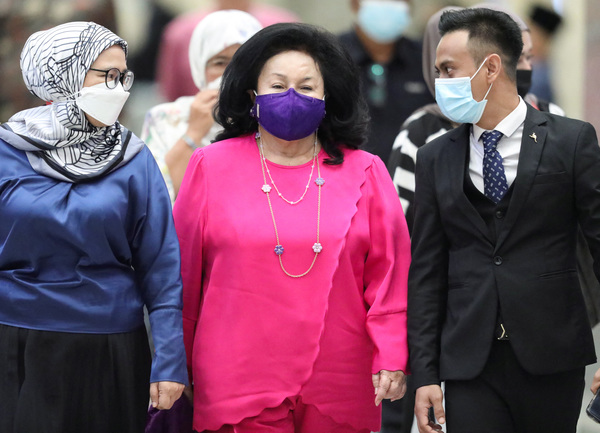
<point>494,305</point>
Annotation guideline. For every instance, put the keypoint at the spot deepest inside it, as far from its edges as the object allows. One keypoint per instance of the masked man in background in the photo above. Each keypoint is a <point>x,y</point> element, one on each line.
<point>390,65</point>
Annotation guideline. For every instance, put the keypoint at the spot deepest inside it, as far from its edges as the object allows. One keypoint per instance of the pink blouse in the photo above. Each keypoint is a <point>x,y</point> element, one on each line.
<point>254,336</point>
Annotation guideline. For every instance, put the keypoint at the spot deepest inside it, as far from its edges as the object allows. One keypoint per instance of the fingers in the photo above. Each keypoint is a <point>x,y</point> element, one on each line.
<point>167,394</point>
<point>389,384</point>
<point>596,382</point>
<point>383,387</point>
<point>401,390</point>
<point>154,394</point>
<point>429,397</point>
<point>205,97</point>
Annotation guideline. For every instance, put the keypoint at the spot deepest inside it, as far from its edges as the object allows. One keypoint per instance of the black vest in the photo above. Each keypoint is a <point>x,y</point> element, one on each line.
<point>493,214</point>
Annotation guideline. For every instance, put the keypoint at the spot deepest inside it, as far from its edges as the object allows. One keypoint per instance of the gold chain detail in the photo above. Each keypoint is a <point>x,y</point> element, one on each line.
<point>263,163</point>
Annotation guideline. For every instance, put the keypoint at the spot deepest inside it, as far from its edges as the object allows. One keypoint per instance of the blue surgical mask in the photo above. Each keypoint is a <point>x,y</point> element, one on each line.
<point>455,98</point>
<point>384,21</point>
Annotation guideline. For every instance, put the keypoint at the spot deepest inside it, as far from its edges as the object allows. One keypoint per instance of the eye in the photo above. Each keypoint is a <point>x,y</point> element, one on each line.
<point>112,75</point>
<point>218,63</point>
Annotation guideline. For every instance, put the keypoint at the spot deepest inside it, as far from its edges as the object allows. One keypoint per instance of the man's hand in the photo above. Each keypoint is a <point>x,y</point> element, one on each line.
<point>596,382</point>
<point>427,397</point>
<point>164,394</point>
<point>389,384</point>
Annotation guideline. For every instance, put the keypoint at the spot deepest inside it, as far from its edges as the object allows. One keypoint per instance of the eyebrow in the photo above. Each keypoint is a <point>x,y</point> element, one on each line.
<point>109,68</point>
<point>443,64</point>
<point>307,78</point>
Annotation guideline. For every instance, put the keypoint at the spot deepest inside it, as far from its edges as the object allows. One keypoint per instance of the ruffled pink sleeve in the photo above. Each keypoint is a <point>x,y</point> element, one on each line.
<point>189,213</point>
<point>386,272</point>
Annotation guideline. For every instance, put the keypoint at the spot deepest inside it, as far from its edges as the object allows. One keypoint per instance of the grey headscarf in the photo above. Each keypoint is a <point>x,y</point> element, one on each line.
<point>431,39</point>
<point>58,139</point>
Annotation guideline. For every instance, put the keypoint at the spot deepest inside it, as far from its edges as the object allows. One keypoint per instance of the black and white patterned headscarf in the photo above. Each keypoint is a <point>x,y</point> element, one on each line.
<point>58,139</point>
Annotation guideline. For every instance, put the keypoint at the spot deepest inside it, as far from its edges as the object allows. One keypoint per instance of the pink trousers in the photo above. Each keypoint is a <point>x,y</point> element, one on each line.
<point>292,416</point>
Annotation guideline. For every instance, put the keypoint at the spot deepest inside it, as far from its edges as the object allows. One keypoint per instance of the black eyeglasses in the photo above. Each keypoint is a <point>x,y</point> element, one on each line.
<point>113,76</point>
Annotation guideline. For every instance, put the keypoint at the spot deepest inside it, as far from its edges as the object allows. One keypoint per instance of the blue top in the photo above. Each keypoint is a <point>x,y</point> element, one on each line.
<point>85,257</point>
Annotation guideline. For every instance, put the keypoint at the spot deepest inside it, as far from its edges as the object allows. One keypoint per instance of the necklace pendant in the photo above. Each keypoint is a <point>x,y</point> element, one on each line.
<point>266,188</point>
<point>320,181</point>
<point>278,249</point>
<point>317,247</point>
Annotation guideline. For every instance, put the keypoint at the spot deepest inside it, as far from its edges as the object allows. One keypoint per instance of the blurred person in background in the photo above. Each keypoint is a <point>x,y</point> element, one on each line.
<point>173,130</point>
<point>87,241</point>
<point>173,69</point>
<point>544,23</point>
<point>389,63</point>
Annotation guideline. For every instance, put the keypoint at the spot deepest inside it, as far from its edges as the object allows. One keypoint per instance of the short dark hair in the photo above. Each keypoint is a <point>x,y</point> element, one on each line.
<point>346,113</point>
<point>490,31</point>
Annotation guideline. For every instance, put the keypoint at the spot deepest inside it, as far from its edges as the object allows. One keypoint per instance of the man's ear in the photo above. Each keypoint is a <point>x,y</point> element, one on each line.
<point>494,67</point>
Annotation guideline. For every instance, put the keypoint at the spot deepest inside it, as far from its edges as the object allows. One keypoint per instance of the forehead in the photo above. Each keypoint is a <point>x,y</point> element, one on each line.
<point>290,62</point>
<point>453,48</point>
<point>112,57</point>
<point>527,42</point>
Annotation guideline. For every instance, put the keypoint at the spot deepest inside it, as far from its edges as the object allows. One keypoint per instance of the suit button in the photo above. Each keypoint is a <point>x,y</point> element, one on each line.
<point>497,260</point>
<point>499,214</point>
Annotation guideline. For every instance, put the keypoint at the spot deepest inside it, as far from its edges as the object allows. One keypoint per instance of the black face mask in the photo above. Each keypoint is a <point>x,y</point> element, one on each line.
<point>523,82</point>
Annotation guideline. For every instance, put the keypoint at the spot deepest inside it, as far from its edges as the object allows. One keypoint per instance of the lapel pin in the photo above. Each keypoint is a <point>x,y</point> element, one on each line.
<point>534,137</point>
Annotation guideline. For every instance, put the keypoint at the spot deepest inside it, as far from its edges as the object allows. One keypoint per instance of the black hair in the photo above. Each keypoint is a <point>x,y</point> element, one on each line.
<point>346,113</point>
<point>545,18</point>
<point>490,31</point>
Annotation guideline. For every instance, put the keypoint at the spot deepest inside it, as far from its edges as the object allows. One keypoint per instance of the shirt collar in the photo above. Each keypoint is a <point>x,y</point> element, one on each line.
<point>509,124</point>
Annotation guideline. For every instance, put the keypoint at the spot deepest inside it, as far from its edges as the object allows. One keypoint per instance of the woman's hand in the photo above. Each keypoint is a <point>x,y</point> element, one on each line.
<point>389,384</point>
<point>201,114</point>
<point>200,122</point>
<point>164,394</point>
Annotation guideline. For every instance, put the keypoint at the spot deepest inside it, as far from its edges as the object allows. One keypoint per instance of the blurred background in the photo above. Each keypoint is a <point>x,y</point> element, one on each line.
<point>573,55</point>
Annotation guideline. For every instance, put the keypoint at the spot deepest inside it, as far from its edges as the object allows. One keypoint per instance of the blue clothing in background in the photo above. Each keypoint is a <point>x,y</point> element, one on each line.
<point>85,257</point>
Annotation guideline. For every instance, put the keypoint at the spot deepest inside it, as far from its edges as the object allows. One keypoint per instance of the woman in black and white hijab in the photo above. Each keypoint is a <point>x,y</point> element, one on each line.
<point>86,240</point>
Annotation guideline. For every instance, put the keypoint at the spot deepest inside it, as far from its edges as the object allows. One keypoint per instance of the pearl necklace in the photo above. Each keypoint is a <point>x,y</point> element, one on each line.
<point>266,186</point>
<point>319,181</point>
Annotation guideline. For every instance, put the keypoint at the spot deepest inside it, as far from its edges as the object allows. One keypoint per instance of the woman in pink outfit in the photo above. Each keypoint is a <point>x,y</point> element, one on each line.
<point>295,251</point>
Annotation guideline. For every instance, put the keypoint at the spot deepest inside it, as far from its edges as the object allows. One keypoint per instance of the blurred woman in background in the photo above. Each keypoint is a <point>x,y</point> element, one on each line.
<point>174,129</point>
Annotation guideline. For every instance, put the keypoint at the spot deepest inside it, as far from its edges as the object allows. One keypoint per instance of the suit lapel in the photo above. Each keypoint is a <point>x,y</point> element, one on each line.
<point>457,156</point>
<point>532,144</point>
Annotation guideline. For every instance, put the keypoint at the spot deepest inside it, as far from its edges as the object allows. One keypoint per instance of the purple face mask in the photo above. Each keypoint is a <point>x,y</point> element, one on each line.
<point>288,115</point>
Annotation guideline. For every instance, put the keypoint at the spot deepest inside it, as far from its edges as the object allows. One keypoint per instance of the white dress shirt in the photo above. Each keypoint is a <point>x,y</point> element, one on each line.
<point>509,146</point>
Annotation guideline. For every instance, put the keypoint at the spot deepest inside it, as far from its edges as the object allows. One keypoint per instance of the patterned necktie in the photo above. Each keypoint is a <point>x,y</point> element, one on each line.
<point>494,178</point>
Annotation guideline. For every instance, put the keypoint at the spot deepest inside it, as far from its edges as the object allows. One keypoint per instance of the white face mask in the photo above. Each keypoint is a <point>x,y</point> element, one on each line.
<point>214,84</point>
<point>102,103</point>
<point>455,98</point>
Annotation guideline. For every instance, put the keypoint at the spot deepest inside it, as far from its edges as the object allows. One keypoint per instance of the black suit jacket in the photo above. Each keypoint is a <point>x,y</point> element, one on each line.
<point>460,275</point>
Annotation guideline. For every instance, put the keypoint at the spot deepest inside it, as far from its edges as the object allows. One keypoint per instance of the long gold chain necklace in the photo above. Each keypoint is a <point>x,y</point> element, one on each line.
<point>312,169</point>
<point>266,188</point>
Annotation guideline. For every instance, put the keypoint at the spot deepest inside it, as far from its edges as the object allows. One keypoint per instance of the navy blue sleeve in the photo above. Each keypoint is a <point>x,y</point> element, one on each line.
<point>156,261</point>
